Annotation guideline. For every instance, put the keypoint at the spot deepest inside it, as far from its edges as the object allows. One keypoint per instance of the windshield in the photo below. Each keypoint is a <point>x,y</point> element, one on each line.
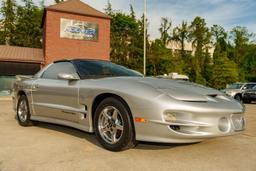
<point>99,69</point>
<point>235,86</point>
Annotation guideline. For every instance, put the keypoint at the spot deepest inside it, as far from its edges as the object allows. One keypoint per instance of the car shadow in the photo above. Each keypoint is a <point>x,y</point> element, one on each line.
<point>70,131</point>
<point>90,137</point>
<point>159,146</point>
<point>247,103</point>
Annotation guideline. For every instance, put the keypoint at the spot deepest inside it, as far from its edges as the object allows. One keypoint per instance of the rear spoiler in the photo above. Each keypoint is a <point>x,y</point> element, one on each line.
<point>23,77</point>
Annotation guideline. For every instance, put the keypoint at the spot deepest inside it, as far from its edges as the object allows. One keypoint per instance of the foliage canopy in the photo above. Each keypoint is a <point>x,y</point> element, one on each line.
<point>234,57</point>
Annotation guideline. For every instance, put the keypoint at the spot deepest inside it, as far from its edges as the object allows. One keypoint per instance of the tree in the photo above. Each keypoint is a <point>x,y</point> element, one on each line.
<point>2,34</point>
<point>249,64</point>
<point>58,1</point>
<point>8,10</point>
<point>126,39</point>
<point>240,37</point>
<point>218,33</point>
<point>164,29</point>
<point>200,37</point>
<point>220,37</point>
<point>180,35</point>
<point>137,44</point>
<point>159,59</point>
<point>220,41</point>
<point>28,32</point>
<point>132,13</point>
<point>108,10</point>
<point>225,72</point>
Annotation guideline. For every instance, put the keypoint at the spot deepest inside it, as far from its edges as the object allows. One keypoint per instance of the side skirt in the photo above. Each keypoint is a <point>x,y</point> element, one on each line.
<point>61,122</point>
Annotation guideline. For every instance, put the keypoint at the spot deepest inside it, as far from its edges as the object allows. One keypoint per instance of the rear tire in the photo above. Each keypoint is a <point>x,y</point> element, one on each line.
<point>113,125</point>
<point>23,113</point>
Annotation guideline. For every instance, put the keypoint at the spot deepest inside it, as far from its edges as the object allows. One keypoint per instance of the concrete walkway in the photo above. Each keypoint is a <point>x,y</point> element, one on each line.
<point>52,147</point>
<point>5,98</point>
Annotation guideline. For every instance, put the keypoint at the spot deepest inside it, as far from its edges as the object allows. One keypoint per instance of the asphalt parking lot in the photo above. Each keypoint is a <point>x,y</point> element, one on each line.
<point>52,147</point>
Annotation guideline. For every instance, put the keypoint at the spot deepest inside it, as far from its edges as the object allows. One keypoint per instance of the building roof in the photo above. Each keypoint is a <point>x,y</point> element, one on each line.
<point>77,7</point>
<point>21,54</point>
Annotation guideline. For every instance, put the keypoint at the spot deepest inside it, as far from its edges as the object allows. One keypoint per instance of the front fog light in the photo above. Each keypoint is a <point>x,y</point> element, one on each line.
<point>169,117</point>
<point>224,124</point>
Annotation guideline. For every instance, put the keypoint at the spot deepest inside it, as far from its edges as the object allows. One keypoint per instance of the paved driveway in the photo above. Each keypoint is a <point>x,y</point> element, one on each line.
<point>50,147</point>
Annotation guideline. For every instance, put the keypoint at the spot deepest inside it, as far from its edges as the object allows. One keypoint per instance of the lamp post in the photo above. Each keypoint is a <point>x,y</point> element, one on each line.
<point>145,36</point>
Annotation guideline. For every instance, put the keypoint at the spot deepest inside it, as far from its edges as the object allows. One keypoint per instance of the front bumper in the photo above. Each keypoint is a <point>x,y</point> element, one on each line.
<point>194,122</point>
<point>191,131</point>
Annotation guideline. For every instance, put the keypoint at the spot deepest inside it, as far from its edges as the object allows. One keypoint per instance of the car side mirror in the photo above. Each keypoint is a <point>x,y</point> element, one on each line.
<point>68,76</point>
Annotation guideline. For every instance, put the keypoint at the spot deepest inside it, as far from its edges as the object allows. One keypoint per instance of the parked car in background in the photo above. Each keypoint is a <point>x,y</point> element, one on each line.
<point>174,76</point>
<point>249,95</point>
<point>5,92</point>
<point>237,89</point>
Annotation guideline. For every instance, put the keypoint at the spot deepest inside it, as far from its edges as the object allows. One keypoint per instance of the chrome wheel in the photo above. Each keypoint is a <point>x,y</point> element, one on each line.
<point>113,125</point>
<point>110,125</point>
<point>23,111</point>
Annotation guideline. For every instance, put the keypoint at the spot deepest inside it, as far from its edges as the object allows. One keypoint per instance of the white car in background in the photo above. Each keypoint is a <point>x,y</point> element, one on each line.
<point>237,89</point>
<point>174,76</point>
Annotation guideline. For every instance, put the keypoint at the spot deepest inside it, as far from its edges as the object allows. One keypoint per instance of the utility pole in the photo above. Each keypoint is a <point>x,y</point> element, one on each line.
<point>145,36</point>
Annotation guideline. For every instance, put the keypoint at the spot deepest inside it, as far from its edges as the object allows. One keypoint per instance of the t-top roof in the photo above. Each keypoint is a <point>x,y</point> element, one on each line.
<point>21,54</point>
<point>79,59</point>
<point>77,7</point>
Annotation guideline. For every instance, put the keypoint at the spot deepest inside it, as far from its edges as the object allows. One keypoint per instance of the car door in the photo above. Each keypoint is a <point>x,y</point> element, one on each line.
<point>57,98</point>
<point>253,93</point>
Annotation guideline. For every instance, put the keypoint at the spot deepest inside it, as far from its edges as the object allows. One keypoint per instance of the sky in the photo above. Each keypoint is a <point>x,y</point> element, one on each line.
<point>227,13</point>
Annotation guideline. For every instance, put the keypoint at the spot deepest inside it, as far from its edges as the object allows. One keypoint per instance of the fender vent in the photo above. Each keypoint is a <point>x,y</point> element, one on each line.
<point>212,95</point>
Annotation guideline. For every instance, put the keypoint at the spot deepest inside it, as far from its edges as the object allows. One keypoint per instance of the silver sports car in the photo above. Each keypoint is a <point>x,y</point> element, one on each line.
<point>123,107</point>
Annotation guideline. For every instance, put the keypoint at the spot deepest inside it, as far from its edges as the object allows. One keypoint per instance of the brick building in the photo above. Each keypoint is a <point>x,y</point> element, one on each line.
<point>71,29</point>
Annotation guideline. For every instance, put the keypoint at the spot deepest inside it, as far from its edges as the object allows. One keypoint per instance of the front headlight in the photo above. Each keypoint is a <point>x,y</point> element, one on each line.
<point>224,124</point>
<point>230,93</point>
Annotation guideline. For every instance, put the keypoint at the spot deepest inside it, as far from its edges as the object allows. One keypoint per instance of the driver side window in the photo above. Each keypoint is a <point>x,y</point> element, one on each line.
<point>57,68</point>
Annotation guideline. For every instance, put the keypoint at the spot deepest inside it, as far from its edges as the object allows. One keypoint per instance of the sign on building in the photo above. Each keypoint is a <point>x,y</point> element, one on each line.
<point>74,29</point>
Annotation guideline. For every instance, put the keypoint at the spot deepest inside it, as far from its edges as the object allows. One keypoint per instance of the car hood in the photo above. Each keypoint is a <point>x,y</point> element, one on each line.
<point>230,89</point>
<point>182,90</point>
<point>177,89</point>
<point>250,91</point>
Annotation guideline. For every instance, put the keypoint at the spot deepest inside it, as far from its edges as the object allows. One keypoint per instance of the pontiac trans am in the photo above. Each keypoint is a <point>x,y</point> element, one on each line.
<point>122,107</point>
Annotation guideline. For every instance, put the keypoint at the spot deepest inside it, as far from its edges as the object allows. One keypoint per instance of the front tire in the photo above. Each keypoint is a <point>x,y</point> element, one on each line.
<point>23,114</point>
<point>113,125</point>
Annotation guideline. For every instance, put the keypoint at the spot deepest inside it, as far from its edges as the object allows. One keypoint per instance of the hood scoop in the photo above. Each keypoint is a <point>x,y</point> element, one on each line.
<point>213,95</point>
<point>185,95</point>
<point>183,90</point>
